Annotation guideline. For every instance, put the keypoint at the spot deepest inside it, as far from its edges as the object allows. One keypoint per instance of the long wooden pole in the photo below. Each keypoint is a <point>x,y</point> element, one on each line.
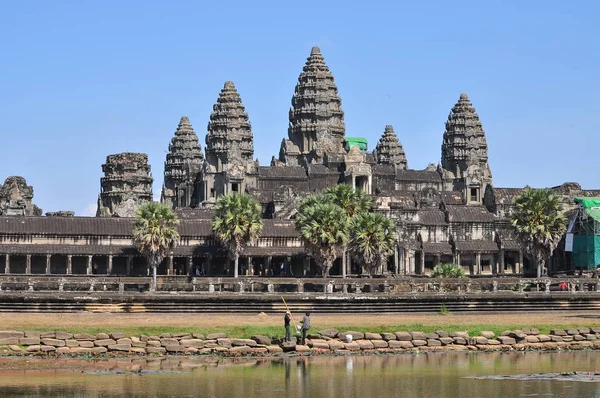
<point>288,309</point>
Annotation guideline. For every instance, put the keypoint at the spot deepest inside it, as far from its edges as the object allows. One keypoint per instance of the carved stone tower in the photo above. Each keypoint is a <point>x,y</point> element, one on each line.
<point>389,150</point>
<point>465,165</point>
<point>183,163</point>
<point>316,118</point>
<point>229,149</point>
<point>16,197</point>
<point>127,183</point>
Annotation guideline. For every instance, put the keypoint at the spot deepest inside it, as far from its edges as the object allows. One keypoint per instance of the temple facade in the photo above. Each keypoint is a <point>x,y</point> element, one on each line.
<point>449,213</point>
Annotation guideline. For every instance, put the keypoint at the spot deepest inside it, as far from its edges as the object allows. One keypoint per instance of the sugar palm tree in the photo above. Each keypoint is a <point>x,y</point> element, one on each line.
<point>448,271</point>
<point>155,233</point>
<point>371,240</point>
<point>352,201</point>
<point>539,224</point>
<point>322,226</point>
<point>237,222</point>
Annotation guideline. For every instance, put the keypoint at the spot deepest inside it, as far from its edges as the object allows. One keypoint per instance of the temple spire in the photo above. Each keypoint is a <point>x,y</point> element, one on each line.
<point>183,163</point>
<point>389,149</point>
<point>316,117</point>
<point>229,129</point>
<point>464,151</point>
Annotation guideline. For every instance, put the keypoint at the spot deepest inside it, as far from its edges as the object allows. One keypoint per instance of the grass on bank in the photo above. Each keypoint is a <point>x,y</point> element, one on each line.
<point>246,331</point>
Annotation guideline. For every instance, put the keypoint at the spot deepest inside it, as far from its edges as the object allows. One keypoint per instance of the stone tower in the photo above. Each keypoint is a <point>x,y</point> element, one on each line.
<point>229,149</point>
<point>465,165</point>
<point>316,118</point>
<point>389,150</point>
<point>183,163</point>
<point>127,183</point>
<point>16,198</point>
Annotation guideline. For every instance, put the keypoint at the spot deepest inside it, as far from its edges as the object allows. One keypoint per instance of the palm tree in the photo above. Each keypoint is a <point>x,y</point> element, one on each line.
<point>539,224</point>
<point>371,240</point>
<point>322,226</point>
<point>155,233</point>
<point>237,222</point>
<point>352,201</point>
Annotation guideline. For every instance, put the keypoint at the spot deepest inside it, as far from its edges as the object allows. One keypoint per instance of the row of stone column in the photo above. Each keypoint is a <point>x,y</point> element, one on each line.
<point>69,265</point>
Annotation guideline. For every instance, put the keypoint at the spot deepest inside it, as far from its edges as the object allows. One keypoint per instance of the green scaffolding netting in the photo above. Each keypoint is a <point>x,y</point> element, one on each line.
<point>586,251</point>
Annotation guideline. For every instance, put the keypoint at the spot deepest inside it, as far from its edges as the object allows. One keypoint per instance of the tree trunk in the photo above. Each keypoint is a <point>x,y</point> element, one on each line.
<point>327,266</point>
<point>235,265</point>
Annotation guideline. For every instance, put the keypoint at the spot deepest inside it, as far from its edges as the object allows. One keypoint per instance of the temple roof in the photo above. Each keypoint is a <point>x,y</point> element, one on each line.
<point>506,196</point>
<point>418,175</point>
<point>452,197</point>
<point>469,214</point>
<point>389,150</point>
<point>432,217</point>
<point>184,159</point>
<point>476,246</point>
<point>436,247</point>
<point>295,172</point>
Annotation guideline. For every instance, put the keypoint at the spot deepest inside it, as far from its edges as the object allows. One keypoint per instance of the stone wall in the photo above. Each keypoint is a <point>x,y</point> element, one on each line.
<point>324,342</point>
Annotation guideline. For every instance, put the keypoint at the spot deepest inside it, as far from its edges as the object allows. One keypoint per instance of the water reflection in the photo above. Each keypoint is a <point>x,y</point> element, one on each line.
<point>423,375</point>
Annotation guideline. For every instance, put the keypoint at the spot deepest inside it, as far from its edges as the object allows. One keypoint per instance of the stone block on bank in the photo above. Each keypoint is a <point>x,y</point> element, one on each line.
<point>567,339</point>
<point>303,348</point>
<point>165,336</point>
<point>47,348</point>
<point>152,343</point>
<point>543,338</point>
<point>418,336</point>
<point>354,346</point>
<point>442,333</point>
<point>322,345</point>
<point>589,336</point>
<point>446,340</point>
<point>124,340</point>
<point>379,343</point>
<point>460,340</point>
<point>464,335</point>
<point>138,350</point>
<point>102,336</point>
<point>104,342</point>
<point>86,344</point>
<point>336,345</point>
<point>15,348</point>
<point>388,336</point>
<point>174,348</point>
<point>32,335</point>
<point>199,336</point>
<point>532,339</point>
<point>403,336</point>
<point>72,343</point>
<point>165,341</point>
<point>556,338</point>
<point>9,340</point>
<point>419,343</point>
<point>34,348</point>
<point>244,349</point>
<point>578,337</point>
<point>373,336</point>
<point>572,332</point>
<point>432,336</point>
<point>197,343</point>
<point>331,333</point>
<point>181,336</point>
<point>29,341</point>
<point>84,337</point>
<point>63,335</point>
<point>507,340</point>
<point>54,342</point>
<point>434,343</point>
<point>488,334</point>
<point>558,332</point>
<point>584,330</point>
<point>355,335</point>
<point>119,347</point>
<point>81,350</point>
<point>63,350</point>
<point>261,339</point>
<point>139,344</point>
<point>116,335</point>
<point>365,344</point>
<point>99,350</point>
<point>6,334</point>
<point>241,342</point>
<point>274,349</point>
<point>493,342</point>
<point>259,350</point>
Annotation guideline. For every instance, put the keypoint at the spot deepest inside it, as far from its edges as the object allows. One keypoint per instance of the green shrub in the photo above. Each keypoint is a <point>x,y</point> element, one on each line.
<point>448,271</point>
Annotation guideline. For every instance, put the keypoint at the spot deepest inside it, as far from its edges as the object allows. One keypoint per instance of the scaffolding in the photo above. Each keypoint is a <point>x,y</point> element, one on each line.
<point>583,234</point>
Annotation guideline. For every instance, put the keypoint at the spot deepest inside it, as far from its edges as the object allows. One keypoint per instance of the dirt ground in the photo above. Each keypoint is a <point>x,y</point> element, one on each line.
<point>108,321</point>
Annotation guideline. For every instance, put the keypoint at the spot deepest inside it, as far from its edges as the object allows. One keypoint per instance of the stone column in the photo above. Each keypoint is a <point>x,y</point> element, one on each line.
<point>128,269</point>
<point>396,259</point>
<point>69,264</point>
<point>89,266</point>
<point>208,265</point>
<point>344,264</point>
<point>170,265</point>
<point>48,262</point>
<point>7,264</point>
<point>28,264</point>
<point>268,269</point>
<point>520,266</point>
<point>305,265</point>
<point>437,259</point>
<point>288,265</point>
<point>501,261</point>
<point>190,265</point>
<point>353,181</point>
<point>478,263</point>
<point>249,267</point>
<point>422,263</point>
<point>109,264</point>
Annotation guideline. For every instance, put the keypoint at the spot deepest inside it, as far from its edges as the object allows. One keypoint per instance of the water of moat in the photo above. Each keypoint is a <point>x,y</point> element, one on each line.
<point>423,375</point>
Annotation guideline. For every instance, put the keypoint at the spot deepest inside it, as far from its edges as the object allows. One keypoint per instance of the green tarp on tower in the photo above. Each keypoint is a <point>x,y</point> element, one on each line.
<point>586,244</point>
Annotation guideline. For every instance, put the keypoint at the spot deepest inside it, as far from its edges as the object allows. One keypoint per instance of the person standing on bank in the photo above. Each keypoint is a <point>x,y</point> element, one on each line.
<point>286,323</point>
<point>305,326</point>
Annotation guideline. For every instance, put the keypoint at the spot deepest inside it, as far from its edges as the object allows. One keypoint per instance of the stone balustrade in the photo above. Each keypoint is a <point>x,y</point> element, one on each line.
<point>324,342</point>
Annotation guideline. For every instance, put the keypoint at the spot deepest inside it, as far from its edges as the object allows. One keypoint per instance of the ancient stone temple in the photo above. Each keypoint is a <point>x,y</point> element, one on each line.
<point>449,213</point>
<point>184,162</point>
<point>464,153</point>
<point>316,117</point>
<point>16,197</point>
<point>127,183</point>
<point>229,166</point>
<point>389,150</point>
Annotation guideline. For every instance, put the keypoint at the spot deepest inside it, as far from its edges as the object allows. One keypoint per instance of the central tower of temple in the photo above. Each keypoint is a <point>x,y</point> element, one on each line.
<point>316,118</point>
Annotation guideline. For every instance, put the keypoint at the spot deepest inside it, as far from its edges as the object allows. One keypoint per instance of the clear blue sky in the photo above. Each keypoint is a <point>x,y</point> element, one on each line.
<point>80,80</point>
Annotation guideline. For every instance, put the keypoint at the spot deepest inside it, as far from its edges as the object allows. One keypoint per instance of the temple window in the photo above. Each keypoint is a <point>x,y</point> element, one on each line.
<point>474,195</point>
<point>235,187</point>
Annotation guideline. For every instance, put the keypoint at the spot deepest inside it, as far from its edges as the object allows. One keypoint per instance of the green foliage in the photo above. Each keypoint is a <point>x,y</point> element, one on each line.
<point>322,226</point>
<point>352,201</point>
<point>448,271</point>
<point>539,223</point>
<point>237,222</point>
<point>155,233</point>
<point>372,239</point>
<point>444,310</point>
